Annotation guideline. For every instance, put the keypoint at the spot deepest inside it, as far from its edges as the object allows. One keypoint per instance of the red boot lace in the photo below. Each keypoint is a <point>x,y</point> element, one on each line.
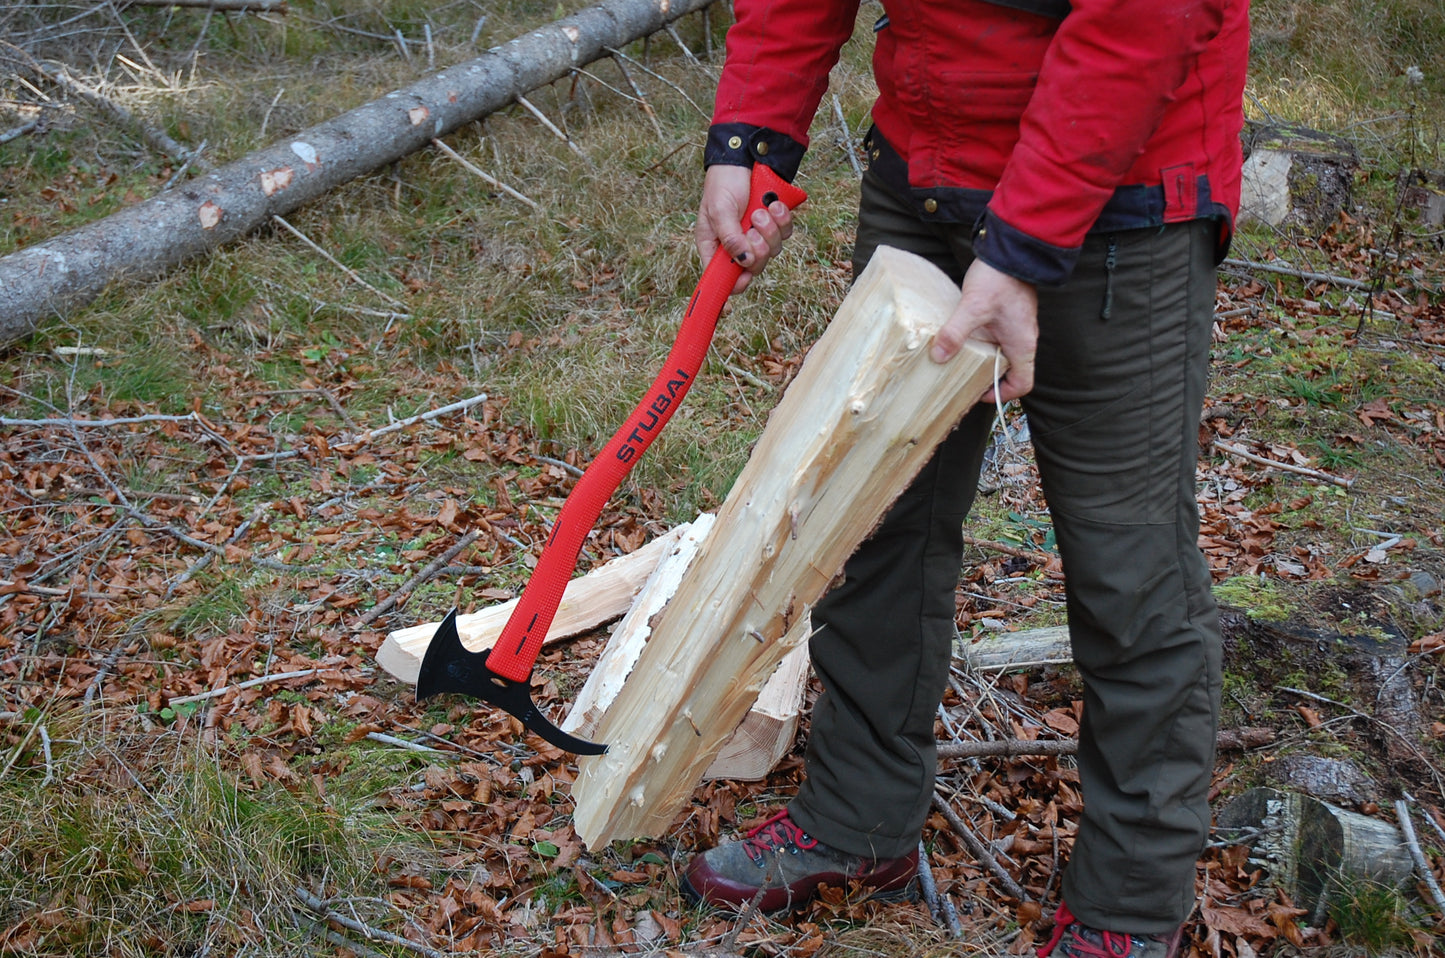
<point>777,834</point>
<point>1111,944</point>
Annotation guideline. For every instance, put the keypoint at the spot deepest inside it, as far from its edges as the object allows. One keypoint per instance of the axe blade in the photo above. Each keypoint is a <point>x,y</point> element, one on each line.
<point>449,666</point>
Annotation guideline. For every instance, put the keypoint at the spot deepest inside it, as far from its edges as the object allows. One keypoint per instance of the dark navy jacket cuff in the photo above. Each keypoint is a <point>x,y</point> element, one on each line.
<point>742,144</point>
<point>1012,251</point>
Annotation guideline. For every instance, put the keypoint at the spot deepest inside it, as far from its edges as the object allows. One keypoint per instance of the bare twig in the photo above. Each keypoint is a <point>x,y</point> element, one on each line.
<point>641,98</point>
<point>566,467</point>
<point>977,850</point>
<point>1304,274</point>
<point>157,139</point>
<point>400,424</point>
<point>486,177</point>
<point>1034,555</point>
<point>336,262</point>
<point>24,587</point>
<point>248,684</point>
<point>432,568</point>
<point>1407,828</point>
<point>687,52</point>
<point>619,54</point>
<point>555,130</point>
<point>234,6</point>
<point>19,131</point>
<point>1234,450</point>
<point>1008,748</point>
<point>385,739</point>
<point>103,423</point>
<point>940,907</point>
<point>372,934</point>
<point>847,143</point>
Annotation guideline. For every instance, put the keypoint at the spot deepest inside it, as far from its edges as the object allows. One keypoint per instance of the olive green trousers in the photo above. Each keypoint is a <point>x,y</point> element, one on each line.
<point>1121,370</point>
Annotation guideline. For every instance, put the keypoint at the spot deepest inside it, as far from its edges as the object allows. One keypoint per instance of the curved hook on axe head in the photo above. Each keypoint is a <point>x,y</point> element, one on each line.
<point>449,666</point>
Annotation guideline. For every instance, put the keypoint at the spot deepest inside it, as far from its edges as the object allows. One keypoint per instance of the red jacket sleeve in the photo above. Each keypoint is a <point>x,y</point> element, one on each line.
<point>779,53</point>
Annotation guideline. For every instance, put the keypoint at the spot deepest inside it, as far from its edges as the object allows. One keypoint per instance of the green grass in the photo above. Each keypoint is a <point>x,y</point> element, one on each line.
<point>99,862</point>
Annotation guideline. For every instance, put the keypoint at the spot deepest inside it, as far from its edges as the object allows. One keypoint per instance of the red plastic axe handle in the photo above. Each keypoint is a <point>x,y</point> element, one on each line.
<point>516,650</point>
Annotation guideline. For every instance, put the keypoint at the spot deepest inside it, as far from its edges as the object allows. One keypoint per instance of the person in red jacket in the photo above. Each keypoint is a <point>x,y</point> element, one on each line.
<point>1075,167</point>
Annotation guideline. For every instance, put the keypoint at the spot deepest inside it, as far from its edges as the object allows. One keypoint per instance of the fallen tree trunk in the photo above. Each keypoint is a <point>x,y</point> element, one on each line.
<point>863,415</point>
<point>70,270</point>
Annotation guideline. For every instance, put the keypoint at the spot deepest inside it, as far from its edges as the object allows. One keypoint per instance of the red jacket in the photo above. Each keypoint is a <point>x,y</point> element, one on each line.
<point>1036,120</point>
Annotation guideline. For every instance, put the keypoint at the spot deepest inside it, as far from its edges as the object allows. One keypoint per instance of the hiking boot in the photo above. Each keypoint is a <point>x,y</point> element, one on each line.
<point>785,865</point>
<point>1074,939</point>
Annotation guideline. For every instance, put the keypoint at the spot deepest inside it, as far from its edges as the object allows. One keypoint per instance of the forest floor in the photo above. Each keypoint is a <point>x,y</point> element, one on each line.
<point>218,489</point>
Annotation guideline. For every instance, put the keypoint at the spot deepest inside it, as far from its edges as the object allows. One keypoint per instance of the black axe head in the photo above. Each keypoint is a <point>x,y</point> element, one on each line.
<point>448,666</point>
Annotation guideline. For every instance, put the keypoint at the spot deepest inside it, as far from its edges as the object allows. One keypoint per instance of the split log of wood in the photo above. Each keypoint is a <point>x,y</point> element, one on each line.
<point>594,599</point>
<point>67,271</point>
<point>630,637</point>
<point>864,413</point>
<point>765,733</point>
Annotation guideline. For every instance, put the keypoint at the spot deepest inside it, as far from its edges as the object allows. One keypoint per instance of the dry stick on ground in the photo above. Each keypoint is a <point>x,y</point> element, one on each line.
<point>1008,550</point>
<point>402,743</point>
<point>978,851</point>
<point>25,587</point>
<point>486,177</point>
<point>1407,828</point>
<point>155,138</point>
<point>459,406</point>
<point>1226,740</point>
<point>661,78</point>
<point>336,262</point>
<point>847,138</point>
<point>940,906</point>
<point>372,934</point>
<point>103,423</point>
<point>235,6</point>
<point>19,131</point>
<point>435,566</point>
<point>641,98</point>
<point>205,560</point>
<point>1234,450</point>
<point>1304,274</point>
<point>248,684</point>
<point>325,394</point>
<point>554,129</point>
<point>1008,748</point>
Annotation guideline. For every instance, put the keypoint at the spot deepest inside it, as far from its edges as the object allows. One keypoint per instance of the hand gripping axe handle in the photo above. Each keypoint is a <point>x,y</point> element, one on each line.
<point>502,676</point>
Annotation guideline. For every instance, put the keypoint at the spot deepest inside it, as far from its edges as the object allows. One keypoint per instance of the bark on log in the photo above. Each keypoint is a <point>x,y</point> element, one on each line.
<point>70,270</point>
<point>863,415</point>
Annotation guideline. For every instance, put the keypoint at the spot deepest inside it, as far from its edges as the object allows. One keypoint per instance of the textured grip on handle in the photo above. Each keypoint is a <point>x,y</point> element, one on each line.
<point>516,650</point>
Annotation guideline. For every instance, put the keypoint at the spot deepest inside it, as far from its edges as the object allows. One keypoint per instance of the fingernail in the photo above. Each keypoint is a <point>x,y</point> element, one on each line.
<point>742,259</point>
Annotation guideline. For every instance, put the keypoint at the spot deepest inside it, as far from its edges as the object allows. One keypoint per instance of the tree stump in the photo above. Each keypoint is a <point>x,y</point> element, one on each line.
<point>1313,849</point>
<point>1296,178</point>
